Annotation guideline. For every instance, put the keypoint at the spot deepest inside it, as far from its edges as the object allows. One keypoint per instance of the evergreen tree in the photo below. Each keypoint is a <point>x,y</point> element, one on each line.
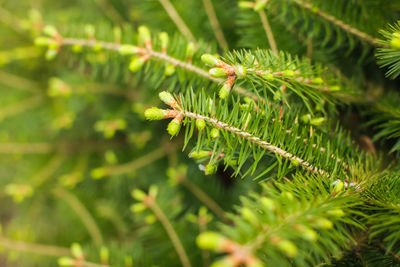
<point>200,133</point>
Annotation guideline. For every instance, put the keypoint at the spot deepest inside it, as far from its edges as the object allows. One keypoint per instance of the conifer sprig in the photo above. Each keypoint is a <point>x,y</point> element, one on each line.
<point>232,132</point>
<point>279,227</point>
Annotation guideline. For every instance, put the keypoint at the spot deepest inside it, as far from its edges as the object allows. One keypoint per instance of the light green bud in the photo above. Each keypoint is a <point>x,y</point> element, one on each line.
<point>268,76</point>
<point>210,169</point>
<point>128,49</point>
<point>76,251</point>
<point>173,127</point>
<point>136,64</point>
<point>210,241</point>
<point>318,80</point>
<point>336,212</point>
<point>66,262</point>
<point>217,72</point>
<point>288,248</point>
<point>210,60</point>
<point>50,30</point>
<point>138,207</point>
<point>323,223</point>
<point>214,133</point>
<point>167,98</point>
<point>199,154</point>
<point>268,203</point>
<point>190,49</point>
<point>169,69</point>
<point>245,4</point>
<point>317,121</point>
<point>395,43</point>
<point>144,34</point>
<point>224,92</point>
<point>288,73</point>
<point>200,124</point>
<point>42,41</point>
<point>154,114</point>
<point>260,5</point>
<point>138,194</point>
<point>98,173</point>
<point>164,39</point>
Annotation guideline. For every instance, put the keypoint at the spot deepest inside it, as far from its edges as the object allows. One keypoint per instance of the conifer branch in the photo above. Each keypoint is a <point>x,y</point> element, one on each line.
<point>87,219</point>
<point>362,35</point>
<point>219,34</point>
<point>156,55</point>
<point>176,18</point>
<point>245,135</point>
<point>268,32</point>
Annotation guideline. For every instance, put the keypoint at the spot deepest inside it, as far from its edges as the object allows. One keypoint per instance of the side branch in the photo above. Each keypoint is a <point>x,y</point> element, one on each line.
<point>159,56</point>
<point>264,144</point>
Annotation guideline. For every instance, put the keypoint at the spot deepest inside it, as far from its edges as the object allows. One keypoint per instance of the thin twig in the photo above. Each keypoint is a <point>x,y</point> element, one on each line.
<point>268,31</point>
<point>180,250</point>
<point>219,34</point>
<point>173,14</point>
<point>47,250</point>
<point>82,213</point>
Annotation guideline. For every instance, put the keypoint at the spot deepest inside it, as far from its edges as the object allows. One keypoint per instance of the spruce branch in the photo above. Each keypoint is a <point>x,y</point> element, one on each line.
<point>144,54</point>
<point>195,110</point>
<point>87,219</point>
<point>281,218</point>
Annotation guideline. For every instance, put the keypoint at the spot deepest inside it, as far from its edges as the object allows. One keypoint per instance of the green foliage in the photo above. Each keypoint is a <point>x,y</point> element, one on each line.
<point>91,175</point>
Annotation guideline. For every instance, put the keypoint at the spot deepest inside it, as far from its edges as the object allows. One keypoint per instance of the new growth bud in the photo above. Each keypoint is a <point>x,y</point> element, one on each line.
<point>211,241</point>
<point>174,126</point>
<point>136,63</point>
<point>154,114</point>
<point>200,124</point>
<point>288,248</point>
<point>210,60</point>
<point>217,72</point>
